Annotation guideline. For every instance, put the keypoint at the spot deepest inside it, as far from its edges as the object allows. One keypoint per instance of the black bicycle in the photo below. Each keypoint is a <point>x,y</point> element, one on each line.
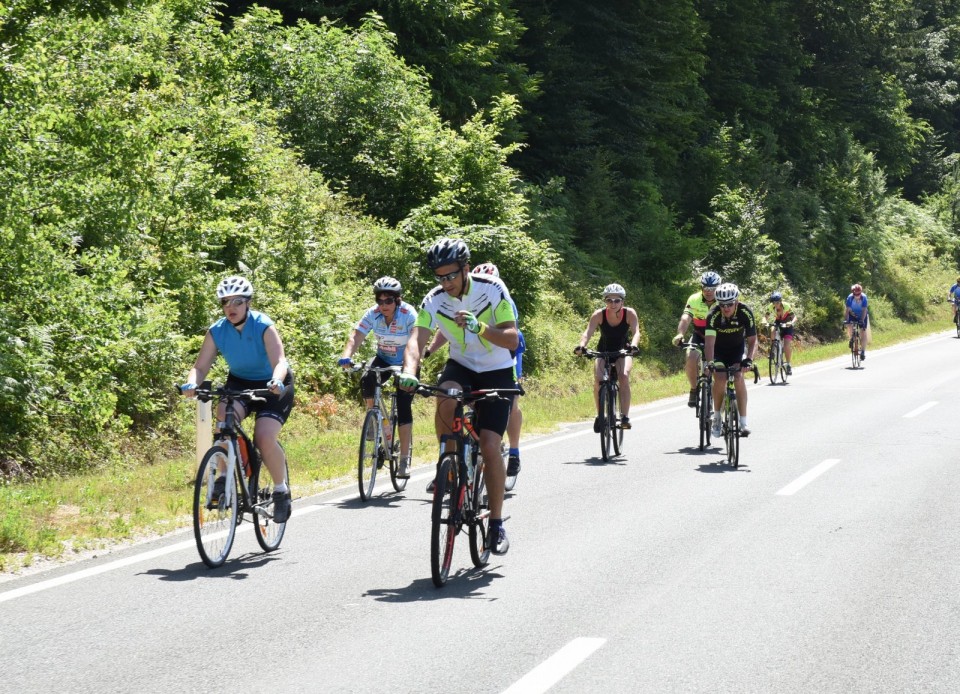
<point>956,314</point>
<point>856,344</point>
<point>610,414</point>
<point>776,367</point>
<point>730,414</point>
<point>459,495</point>
<point>229,484</point>
<point>704,409</point>
<point>379,441</point>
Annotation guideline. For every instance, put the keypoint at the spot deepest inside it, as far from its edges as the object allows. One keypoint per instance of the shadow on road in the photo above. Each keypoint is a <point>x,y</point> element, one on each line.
<point>721,466</point>
<point>465,584</point>
<point>237,569</point>
<point>389,499</point>
<point>596,461</point>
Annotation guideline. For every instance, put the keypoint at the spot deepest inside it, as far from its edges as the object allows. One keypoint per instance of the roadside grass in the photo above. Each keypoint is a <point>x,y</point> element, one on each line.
<point>58,519</point>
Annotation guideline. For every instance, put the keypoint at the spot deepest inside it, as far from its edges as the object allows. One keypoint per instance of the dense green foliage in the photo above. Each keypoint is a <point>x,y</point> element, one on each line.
<point>149,147</point>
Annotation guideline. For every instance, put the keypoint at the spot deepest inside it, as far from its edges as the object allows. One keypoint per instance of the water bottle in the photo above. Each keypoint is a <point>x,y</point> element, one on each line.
<point>469,460</point>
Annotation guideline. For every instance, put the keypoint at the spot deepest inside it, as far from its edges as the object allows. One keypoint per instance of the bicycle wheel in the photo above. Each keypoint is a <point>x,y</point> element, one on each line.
<point>371,441</point>
<point>772,365</point>
<point>781,364</point>
<point>479,515</point>
<point>215,519</point>
<point>706,400</point>
<point>855,352</point>
<point>269,534</point>
<point>604,423</point>
<point>732,434</point>
<point>613,407</point>
<point>446,517</point>
<point>399,483</point>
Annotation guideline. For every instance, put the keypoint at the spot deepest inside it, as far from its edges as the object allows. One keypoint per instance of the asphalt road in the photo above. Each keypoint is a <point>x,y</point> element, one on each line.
<point>828,562</point>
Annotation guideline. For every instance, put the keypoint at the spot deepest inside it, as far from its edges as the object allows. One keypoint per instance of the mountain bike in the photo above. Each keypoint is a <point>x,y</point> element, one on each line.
<point>459,495</point>
<point>379,441</point>
<point>855,344</point>
<point>610,430</point>
<point>730,414</point>
<point>244,487</point>
<point>704,409</point>
<point>775,364</point>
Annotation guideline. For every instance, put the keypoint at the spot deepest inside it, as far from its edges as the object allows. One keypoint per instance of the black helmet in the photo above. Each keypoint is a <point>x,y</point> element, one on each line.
<point>447,252</point>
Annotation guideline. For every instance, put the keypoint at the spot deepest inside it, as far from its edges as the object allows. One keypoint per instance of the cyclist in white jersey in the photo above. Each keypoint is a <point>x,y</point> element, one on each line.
<point>391,321</point>
<point>476,316</point>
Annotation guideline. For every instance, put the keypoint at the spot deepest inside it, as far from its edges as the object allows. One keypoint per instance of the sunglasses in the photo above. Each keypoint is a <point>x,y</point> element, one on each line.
<point>236,301</point>
<point>389,301</point>
<point>614,301</point>
<point>449,277</point>
<point>727,304</point>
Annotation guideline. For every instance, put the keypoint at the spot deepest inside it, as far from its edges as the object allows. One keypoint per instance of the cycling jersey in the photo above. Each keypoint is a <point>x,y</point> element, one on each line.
<point>954,293</point>
<point>486,298</point>
<point>391,339</point>
<point>730,332</point>
<point>698,308</point>
<point>613,338</point>
<point>857,307</point>
<point>244,350</point>
<point>784,316</point>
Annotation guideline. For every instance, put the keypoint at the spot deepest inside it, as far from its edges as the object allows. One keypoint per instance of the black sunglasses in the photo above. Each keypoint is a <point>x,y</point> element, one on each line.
<point>386,302</point>
<point>449,277</point>
<point>235,301</point>
<point>727,304</point>
<point>616,300</point>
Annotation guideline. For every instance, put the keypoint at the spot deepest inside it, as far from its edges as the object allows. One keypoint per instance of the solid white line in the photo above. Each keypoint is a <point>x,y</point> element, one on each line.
<point>554,668</point>
<point>120,563</point>
<point>921,409</point>
<point>808,477</point>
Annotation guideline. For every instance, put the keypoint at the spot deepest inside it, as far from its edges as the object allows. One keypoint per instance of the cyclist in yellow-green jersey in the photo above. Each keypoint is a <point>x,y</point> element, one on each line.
<point>698,305</point>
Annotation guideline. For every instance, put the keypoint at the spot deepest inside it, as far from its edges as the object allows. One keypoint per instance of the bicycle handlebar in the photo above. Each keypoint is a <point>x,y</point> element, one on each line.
<point>593,354</point>
<point>735,368</point>
<point>375,369</point>
<point>205,392</point>
<point>468,396</point>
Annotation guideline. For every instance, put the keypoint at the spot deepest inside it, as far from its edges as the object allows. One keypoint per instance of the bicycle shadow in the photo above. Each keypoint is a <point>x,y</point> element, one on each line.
<point>391,499</point>
<point>596,461</point>
<point>466,584</point>
<point>695,450</point>
<point>721,466</point>
<point>238,568</point>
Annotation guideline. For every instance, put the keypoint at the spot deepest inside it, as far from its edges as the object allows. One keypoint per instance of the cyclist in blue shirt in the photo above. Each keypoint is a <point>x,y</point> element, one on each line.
<point>391,321</point>
<point>954,296</point>
<point>251,345</point>
<point>855,310</point>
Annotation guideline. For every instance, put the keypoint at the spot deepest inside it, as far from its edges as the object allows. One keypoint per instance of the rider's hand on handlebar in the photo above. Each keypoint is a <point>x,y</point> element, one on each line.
<point>746,364</point>
<point>467,320</point>
<point>579,349</point>
<point>345,362</point>
<point>633,350</point>
<point>712,366</point>
<point>409,381</point>
<point>188,390</point>
<point>276,386</point>
<point>677,339</point>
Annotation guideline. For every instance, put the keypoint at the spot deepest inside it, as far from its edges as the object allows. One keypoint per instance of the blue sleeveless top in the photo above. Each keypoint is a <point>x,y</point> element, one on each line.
<point>244,350</point>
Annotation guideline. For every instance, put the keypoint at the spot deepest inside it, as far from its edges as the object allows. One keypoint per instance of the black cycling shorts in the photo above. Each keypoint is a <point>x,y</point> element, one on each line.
<point>273,406</point>
<point>404,399</point>
<point>492,415</point>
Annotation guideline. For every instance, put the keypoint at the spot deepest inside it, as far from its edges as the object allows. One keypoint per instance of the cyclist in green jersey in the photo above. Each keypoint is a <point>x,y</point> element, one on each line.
<point>698,305</point>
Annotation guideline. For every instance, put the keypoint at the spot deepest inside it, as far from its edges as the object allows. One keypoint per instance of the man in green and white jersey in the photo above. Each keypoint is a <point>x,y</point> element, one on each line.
<point>476,316</point>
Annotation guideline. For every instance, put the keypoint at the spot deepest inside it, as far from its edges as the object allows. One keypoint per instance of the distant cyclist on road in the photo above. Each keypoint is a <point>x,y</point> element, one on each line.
<point>855,310</point>
<point>476,316</point>
<point>698,305</point>
<point>731,338</point>
<point>784,316</point>
<point>615,322</point>
<point>251,345</point>
<point>954,296</point>
<point>391,320</point>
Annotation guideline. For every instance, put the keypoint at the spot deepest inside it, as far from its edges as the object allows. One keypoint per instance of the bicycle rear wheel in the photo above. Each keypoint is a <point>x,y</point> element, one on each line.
<point>371,442</point>
<point>446,517</point>
<point>215,519</point>
<point>732,434</point>
<point>269,534</point>
<point>604,423</point>
<point>706,400</point>
<point>479,515</point>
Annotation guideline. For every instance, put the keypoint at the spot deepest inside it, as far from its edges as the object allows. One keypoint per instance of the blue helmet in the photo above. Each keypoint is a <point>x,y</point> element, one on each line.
<point>710,279</point>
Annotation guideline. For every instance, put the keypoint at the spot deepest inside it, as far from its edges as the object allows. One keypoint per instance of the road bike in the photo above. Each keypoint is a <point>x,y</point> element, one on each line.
<point>856,348</point>
<point>956,315</point>
<point>776,367</point>
<point>611,432</point>
<point>379,441</point>
<point>730,414</point>
<point>704,409</point>
<point>459,494</point>
<point>235,462</point>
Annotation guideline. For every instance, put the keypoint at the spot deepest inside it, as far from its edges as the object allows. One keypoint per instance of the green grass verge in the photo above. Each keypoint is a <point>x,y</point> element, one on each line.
<point>62,518</point>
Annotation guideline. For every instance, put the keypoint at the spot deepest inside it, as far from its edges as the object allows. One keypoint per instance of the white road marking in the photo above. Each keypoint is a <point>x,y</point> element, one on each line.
<point>556,667</point>
<point>921,409</point>
<point>808,477</point>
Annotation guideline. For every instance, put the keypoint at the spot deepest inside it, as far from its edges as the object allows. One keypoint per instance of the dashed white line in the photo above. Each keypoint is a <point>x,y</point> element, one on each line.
<point>556,667</point>
<point>921,409</point>
<point>808,477</point>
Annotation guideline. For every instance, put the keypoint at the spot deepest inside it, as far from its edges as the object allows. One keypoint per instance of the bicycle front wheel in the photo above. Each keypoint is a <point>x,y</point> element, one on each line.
<point>446,518</point>
<point>371,440</point>
<point>855,353</point>
<point>479,515</point>
<point>616,431</point>
<point>781,365</point>
<point>215,517</point>
<point>732,435</point>
<point>604,423</point>
<point>269,534</point>
<point>399,483</point>
<point>706,399</point>
<point>773,367</point>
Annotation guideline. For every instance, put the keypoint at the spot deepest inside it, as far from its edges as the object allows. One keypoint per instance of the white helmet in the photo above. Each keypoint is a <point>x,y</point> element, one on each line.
<point>485,269</point>
<point>234,286</point>
<point>387,285</point>
<point>727,292</point>
<point>616,290</point>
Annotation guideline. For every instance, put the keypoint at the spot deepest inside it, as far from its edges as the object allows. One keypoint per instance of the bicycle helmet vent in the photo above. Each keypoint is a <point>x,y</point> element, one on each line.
<point>388,285</point>
<point>448,252</point>
<point>615,290</point>
<point>486,269</point>
<point>727,292</point>
<point>710,279</point>
<point>234,286</point>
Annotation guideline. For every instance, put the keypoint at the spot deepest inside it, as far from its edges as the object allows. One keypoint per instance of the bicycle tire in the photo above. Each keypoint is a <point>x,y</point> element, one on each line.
<point>214,523</point>
<point>732,434</point>
<point>956,320</point>
<point>604,424</point>
<point>855,352</point>
<point>399,483</point>
<point>616,431</point>
<point>705,424</point>
<point>369,458</point>
<point>772,365</point>
<point>479,514</point>
<point>269,534</point>
<point>445,518</point>
<point>782,365</point>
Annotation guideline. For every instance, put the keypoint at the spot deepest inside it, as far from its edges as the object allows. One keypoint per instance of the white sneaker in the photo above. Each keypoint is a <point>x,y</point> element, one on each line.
<point>744,429</point>
<point>715,429</point>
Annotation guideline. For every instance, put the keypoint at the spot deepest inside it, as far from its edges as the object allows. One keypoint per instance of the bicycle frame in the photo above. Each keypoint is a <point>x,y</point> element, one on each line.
<point>379,425</point>
<point>608,401</point>
<point>704,407</point>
